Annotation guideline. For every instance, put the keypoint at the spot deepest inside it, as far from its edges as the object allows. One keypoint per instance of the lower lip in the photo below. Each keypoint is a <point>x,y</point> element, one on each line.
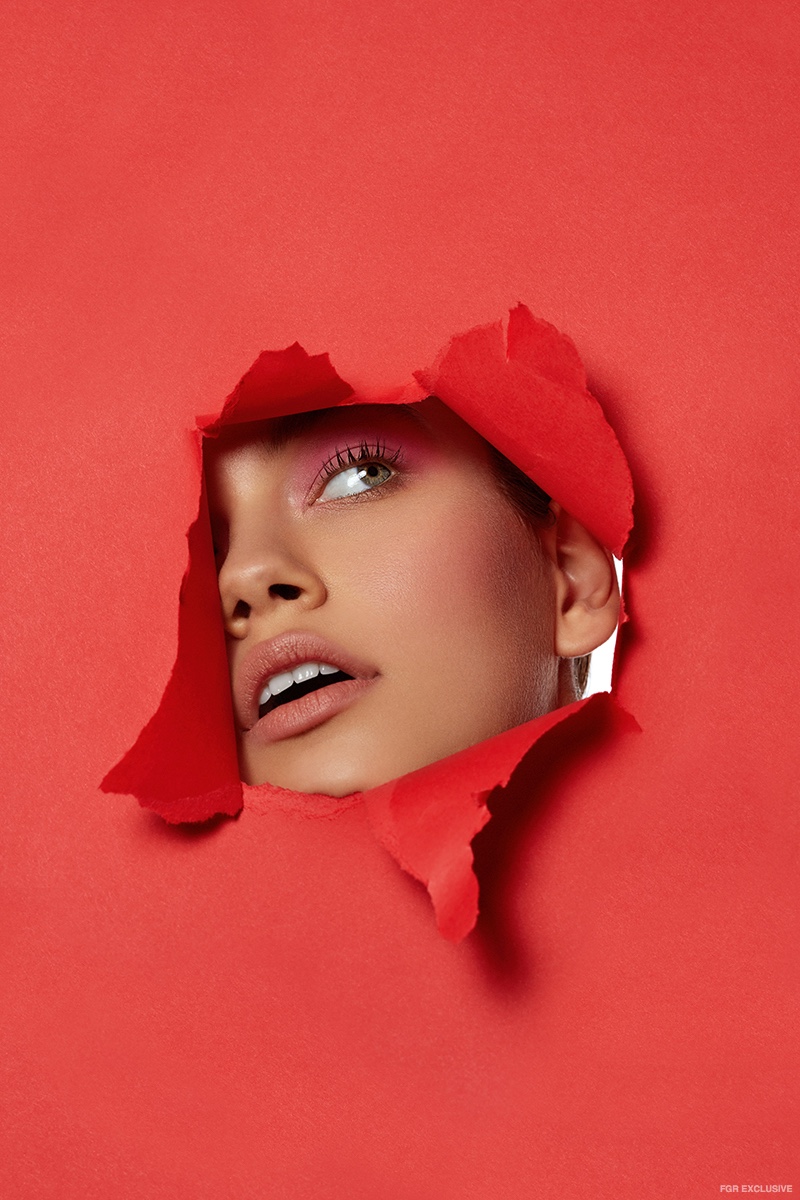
<point>299,716</point>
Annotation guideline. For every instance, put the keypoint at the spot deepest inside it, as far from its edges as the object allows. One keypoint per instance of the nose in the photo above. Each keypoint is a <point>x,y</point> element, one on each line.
<point>261,583</point>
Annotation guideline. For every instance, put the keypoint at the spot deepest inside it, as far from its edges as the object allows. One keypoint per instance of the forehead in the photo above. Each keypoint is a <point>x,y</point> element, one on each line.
<point>428,423</point>
<point>272,436</point>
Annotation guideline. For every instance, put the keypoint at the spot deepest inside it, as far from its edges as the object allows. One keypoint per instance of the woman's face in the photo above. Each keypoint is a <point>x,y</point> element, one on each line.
<point>385,605</point>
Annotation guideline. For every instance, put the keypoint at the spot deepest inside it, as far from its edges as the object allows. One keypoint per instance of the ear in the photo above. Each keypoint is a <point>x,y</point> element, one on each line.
<point>587,593</point>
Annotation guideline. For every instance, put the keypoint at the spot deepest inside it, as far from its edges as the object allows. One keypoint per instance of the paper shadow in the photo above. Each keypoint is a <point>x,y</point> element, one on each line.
<point>154,826</point>
<point>643,540</point>
<point>519,813</point>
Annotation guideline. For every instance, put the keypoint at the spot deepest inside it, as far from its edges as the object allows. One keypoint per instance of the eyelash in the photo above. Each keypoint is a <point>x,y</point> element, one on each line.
<point>353,456</point>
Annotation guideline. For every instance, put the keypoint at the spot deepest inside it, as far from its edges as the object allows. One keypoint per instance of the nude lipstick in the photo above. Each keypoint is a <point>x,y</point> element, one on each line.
<point>294,682</point>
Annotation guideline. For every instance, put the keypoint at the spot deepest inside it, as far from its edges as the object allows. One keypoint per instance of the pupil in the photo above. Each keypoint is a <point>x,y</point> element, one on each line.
<point>372,470</point>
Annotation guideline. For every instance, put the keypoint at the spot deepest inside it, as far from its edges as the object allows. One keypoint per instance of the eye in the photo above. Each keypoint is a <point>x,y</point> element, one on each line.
<point>352,481</point>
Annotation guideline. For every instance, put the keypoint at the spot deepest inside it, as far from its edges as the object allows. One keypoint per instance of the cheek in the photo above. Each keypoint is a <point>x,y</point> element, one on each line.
<point>488,576</point>
<point>464,626</point>
<point>458,566</point>
<point>440,574</point>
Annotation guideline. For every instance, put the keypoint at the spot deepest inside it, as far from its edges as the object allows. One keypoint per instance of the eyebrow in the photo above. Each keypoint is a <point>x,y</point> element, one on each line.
<point>285,429</point>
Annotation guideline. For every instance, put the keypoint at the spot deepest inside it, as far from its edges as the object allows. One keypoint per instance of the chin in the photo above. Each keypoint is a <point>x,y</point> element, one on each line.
<point>313,779</point>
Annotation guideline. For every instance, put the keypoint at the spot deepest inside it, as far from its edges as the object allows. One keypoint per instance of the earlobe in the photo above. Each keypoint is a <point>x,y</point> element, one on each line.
<point>587,593</point>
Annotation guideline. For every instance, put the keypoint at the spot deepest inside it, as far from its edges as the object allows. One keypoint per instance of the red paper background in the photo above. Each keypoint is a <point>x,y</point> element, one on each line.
<point>265,1007</point>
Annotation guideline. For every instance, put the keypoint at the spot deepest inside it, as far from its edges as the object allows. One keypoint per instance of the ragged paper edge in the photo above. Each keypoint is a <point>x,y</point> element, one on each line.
<point>525,392</point>
<point>181,777</point>
<point>184,763</point>
<point>428,819</point>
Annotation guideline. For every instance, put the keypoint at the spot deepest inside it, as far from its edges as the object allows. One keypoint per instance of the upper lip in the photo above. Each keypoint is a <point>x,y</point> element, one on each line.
<point>281,653</point>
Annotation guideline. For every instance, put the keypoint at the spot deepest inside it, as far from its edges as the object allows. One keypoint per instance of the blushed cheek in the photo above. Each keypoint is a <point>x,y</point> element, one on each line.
<point>489,567</point>
<point>471,594</point>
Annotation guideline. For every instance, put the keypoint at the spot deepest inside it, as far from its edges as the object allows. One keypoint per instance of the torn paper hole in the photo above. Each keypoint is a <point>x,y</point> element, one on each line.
<point>602,659</point>
<point>387,617</point>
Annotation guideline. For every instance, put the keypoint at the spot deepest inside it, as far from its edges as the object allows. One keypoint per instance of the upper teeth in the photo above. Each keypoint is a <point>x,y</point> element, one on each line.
<point>299,674</point>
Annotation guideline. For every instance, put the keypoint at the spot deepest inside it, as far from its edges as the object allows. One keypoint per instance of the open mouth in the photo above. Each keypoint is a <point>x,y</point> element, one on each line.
<point>301,680</point>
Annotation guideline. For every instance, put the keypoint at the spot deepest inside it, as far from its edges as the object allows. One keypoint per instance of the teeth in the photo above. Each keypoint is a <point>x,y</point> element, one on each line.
<point>305,672</point>
<point>279,683</point>
<point>299,674</point>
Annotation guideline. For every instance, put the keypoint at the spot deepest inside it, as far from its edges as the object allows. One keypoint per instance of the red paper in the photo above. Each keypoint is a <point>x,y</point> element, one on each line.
<point>532,404</point>
<point>427,819</point>
<point>529,399</point>
<point>264,1007</point>
<point>184,763</point>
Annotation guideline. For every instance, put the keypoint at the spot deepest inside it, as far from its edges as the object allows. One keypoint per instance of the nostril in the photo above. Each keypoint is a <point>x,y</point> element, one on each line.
<point>241,610</point>
<point>285,591</point>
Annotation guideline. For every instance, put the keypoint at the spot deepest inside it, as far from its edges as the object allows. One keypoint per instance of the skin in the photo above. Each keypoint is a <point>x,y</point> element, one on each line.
<point>432,577</point>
